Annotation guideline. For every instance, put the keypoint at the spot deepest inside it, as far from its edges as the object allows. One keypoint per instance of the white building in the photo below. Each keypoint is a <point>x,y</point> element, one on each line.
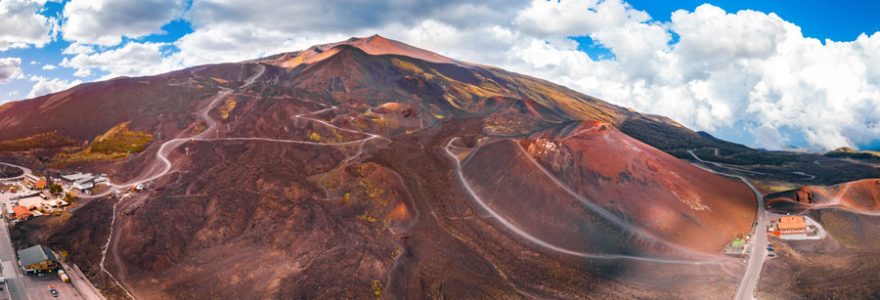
<point>77,177</point>
<point>84,184</point>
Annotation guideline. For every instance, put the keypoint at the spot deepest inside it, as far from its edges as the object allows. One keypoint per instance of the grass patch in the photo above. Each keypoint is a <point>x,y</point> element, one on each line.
<point>42,140</point>
<point>120,139</point>
<point>227,108</point>
<point>118,142</point>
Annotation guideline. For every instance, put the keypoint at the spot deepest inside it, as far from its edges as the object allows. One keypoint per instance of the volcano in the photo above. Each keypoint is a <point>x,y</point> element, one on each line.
<point>370,168</point>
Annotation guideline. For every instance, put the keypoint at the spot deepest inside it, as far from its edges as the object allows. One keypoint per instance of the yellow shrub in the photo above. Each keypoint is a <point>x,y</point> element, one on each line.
<point>314,137</point>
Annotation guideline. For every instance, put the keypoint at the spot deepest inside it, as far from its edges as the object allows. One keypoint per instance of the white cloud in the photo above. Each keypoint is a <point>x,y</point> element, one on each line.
<point>724,70</point>
<point>572,18</point>
<point>225,43</point>
<point>43,86</point>
<point>133,59</point>
<point>22,26</point>
<point>78,48</point>
<point>49,67</point>
<point>10,68</point>
<point>342,16</point>
<point>105,22</point>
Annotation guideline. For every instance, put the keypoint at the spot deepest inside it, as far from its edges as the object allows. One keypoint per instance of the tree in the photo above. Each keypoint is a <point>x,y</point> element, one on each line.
<point>55,189</point>
<point>70,196</point>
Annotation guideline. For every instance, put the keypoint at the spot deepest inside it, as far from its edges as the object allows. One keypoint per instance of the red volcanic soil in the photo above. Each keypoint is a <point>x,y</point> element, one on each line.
<point>327,176</point>
<point>378,45</point>
<point>651,189</point>
<point>373,45</point>
<point>163,103</point>
<point>503,177</point>
<point>862,196</point>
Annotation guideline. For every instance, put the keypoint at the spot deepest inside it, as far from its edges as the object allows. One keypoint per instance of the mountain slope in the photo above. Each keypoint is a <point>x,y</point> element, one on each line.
<point>371,168</point>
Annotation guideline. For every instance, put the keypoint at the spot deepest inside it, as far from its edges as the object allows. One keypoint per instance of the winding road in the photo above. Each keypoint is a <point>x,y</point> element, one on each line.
<point>749,282</point>
<point>169,146</point>
<point>704,258</point>
<point>26,171</point>
<point>745,290</point>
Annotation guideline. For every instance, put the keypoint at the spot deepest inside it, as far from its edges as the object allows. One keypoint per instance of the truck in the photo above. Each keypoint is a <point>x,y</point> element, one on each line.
<point>63,276</point>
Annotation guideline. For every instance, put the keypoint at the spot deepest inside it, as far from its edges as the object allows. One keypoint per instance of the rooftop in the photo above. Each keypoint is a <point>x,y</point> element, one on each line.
<point>21,210</point>
<point>792,222</point>
<point>35,254</point>
<point>76,177</point>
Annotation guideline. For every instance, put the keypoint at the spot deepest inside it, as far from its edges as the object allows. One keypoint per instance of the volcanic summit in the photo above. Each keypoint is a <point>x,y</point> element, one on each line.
<point>372,168</point>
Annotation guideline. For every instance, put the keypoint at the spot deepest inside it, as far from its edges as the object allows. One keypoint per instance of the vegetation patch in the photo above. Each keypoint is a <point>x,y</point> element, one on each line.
<point>314,137</point>
<point>377,289</point>
<point>42,140</point>
<point>227,108</point>
<point>120,139</point>
<point>847,152</point>
<point>118,142</point>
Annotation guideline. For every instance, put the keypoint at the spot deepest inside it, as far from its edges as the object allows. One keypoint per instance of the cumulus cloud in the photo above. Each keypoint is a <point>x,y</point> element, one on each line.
<point>10,68</point>
<point>340,16</point>
<point>726,70</point>
<point>22,26</point>
<point>49,67</point>
<point>44,86</point>
<point>747,74</point>
<point>78,48</point>
<point>133,59</point>
<point>572,18</point>
<point>105,22</point>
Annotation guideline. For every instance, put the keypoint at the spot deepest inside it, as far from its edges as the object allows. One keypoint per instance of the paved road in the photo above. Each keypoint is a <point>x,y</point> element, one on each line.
<point>82,284</point>
<point>10,267</point>
<point>26,171</point>
<point>23,286</point>
<point>749,283</point>
<point>759,244</point>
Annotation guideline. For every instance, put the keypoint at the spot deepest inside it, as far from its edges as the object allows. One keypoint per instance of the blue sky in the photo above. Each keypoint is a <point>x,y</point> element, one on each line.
<point>835,20</point>
<point>713,69</point>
